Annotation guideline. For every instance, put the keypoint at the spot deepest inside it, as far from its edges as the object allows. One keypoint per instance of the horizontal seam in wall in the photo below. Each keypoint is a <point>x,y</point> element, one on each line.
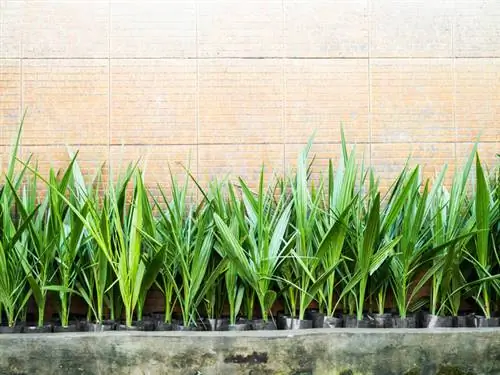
<point>256,58</point>
<point>245,144</point>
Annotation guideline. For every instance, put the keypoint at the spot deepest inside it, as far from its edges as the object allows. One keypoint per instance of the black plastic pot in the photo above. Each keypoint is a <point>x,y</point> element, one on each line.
<point>221,324</point>
<point>211,324</point>
<point>237,327</point>
<point>263,325</point>
<point>98,327</point>
<point>47,328</point>
<point>162,326</point>
<point>145,325</point>
<point>192,328</point>
<point>288,323</point>
<point>15,329</point>
<point>383,320</point>
<point>70,328</point>
<point>481,321</point>
<point>409,322</point>
<point>436,321</point>
<point>366,322</point>
<point>333,322</point>
<point>316,317</point>
<point>124,327</point>
<point>463,321</point>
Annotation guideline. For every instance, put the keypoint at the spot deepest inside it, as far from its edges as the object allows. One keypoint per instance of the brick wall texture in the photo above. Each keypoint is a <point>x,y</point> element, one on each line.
<point>224,85</point>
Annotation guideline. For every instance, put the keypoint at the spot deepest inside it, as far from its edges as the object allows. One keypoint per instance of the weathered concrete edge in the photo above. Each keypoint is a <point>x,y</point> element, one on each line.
<point>308,352</point>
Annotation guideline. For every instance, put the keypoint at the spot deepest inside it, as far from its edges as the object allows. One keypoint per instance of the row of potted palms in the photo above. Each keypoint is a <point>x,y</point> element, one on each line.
<point>331,251</point>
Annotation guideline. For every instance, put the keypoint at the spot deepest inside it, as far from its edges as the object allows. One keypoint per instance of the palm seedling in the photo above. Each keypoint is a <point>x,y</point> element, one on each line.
<point>411,251</point>
<point>265,223</point>
<point>190,243</point>
<point>452,225</point>
<point>45,236</point>
<point>484,253</point>
<point>72,236</point>
<point>313,243</point>
<point>341,193</point>
<point>135,268</point>
<point>416,251</point>
<point>369,250</point>
<point>229,211</point>
<point>94,276</point>
<point>14,293</point>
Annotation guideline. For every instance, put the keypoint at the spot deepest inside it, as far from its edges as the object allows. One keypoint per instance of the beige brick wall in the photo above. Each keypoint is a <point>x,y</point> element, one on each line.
<point>224,85</point>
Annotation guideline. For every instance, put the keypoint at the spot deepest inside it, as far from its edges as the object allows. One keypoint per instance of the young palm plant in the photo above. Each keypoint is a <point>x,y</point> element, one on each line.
<point>314,243</point>
<point>370,248</point>
<point>46,236</point>
<point>228,209</point>
<point>14,293</point>
<point>72,237</point>
<point>484,254</point>
<point>265,225</point>
<point>190,240</point>
<point>452,225</point>
<point>341,193</point>
<point>411,251</point>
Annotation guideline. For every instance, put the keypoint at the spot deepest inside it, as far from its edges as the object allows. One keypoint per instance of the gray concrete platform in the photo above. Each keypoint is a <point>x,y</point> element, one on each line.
<point>308,352</point>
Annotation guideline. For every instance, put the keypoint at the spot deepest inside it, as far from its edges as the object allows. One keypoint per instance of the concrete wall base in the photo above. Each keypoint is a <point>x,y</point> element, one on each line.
<point>308,352</point>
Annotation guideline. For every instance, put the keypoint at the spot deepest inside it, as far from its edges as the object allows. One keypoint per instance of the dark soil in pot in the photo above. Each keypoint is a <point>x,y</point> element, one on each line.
<point>409,322</point>
<point>15,329</point>
<point>366,322</point>
<point>436,321</point>
<point>481,321</point>
<point>332,322</point>
<point>69,328</point>
<point>383,320</point>
<point>263,325</point>
<point>47,328</point>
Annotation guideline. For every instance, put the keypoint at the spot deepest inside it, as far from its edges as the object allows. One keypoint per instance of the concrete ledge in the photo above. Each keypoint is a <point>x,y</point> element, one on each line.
<point>308,352</point>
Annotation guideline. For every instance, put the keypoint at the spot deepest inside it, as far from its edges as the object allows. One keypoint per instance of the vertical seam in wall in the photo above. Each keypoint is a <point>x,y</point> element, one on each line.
<point>370,115</point>
<point>23,111</point>
<point>454,72</point>
<point>109,87</point>
<point>284,88</point>
<point>197,96</point>
<point>1,76</point>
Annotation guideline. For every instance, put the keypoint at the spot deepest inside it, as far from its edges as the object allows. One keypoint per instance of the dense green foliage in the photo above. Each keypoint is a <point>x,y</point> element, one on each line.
<point>337,241</point>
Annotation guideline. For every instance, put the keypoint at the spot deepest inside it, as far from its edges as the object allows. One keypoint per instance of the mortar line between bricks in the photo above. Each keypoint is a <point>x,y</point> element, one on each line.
<point>249,143</point>
<point>454,77</point>
<point>109,85</point>
<point>284,87</point>
<point>370,114</point>
<point>465,142</point>
<point>256,58</point>
<point>197,97</point>
<point>21,113</point>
